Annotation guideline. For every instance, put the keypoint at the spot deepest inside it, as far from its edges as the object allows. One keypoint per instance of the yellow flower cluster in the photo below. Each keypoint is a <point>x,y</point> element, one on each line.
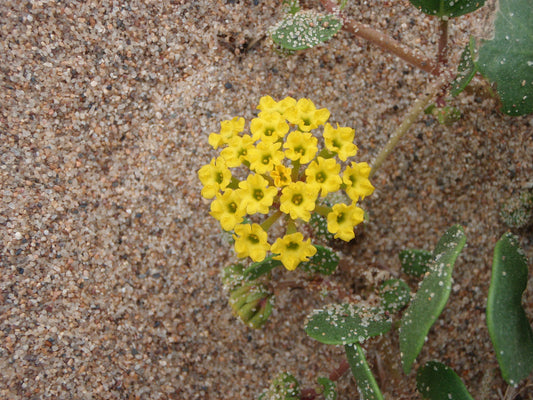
<point>288,176</point>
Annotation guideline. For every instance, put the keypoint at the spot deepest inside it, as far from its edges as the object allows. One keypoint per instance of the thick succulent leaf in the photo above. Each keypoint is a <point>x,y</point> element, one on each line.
<point>507,59</point>
<point>305,29</point>
<point>257,269</point>
<point>415,262</point>
<point>447,8</point>
<point>395,294</point>
<point>507,322</point>
<point>366,383</point>
<point>346,323</point>
<point>329,388</point>
<point>431,297</point>
<point>319,224</point>
<point>436,381</point>
<point>466,70</point>
<point>324,261</point>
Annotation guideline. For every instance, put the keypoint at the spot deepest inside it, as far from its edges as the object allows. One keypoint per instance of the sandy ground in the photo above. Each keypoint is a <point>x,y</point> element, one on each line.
<point>109,261</point>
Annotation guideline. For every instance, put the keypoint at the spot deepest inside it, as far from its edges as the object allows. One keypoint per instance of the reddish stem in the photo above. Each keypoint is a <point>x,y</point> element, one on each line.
<point>384,41</point>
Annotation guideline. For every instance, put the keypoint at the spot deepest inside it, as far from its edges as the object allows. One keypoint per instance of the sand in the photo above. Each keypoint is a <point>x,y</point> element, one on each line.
<point>110,262</point>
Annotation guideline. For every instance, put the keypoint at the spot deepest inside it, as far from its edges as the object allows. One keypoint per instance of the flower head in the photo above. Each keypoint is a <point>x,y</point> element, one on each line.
<point>340,141</point>
<point>342,220</point>
<point>237,150</point>
<point>265,156</point>
<point>269,127</point>
<point>281,175</point>
<point>355,177</point>
<point>256,195</point>
<point>227,208</point>
<point>214,176</point>
<point>298,199</point>
<point>292,250</point>
<point>251,241</point>
<point>268,104</point>
<point>301,146</point>
<point>324,173</point>
<point>306,116</point>
<point>228,129</point>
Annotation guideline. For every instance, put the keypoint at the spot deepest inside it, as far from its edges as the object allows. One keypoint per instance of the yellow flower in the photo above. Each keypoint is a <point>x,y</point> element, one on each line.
<point>251,242</point>
<point>298,199</point>
<point>292,250</point>
<point>237,150</point>
<point>324,173</point>
<point>340,141</point>
<point>227,209</point>
<point>214,176</point>
<point>301,146</point>
<point>306,116</point>
<point>256,195</point>
<point>228,129</point>
<point>269,127</point>
<point>281,175</point>
<point>265,156</point>
<point>342,219</point>
<point>268,104</point>
<point>356,179</point>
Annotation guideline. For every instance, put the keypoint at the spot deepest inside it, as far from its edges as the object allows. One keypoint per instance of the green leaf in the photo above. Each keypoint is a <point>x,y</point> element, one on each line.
<point>329,388</point>
<point>324,261</point>
<point>257,269</point>
<point>368,387</point>
<point>431,297</point>
<point>507,59</point>
<point>415,262</point>
<point>466,70</point>
<point>305,29</point>
<point>507,322</point>
<point>319,224</point>
<point>447,8</point>
<point>436,381</point>
<point>291,6</point>
<point>346,323</point>
<point>395,294</point>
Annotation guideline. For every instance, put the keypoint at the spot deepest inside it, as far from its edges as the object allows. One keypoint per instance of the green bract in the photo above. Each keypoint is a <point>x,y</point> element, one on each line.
<point>415,262</point>
<point>436,381</point>
<point>395,294</point>
<point>507,59</point>
<point>447,8</point>
<point>431,297</point>
<point>507,322</point>
<point>346,323</point>
<point>305,29</point>
<point>324,262</point>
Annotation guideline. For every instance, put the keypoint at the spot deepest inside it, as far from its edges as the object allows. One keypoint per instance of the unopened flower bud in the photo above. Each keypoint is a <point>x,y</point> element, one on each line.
<point>252,304</point>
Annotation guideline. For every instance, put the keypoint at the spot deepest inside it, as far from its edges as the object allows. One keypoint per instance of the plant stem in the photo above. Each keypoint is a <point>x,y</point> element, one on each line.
<point>442,56</point>
<point>382,40</point>
<point>417,108</point>
<point>267,223</point>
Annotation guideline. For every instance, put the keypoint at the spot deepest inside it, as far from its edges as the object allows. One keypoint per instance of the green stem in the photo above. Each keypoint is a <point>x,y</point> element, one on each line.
<point>322,210</point>
<point>291,227</point>
<point>295,170</point>
<point>267,223</point>
<point>411,117</point>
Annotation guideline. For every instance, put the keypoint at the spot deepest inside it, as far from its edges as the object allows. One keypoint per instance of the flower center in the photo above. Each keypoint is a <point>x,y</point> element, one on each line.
<point>297,199</point>
<point>336,144</point>
<point>300,150</point>
<point>232,207</point>
<point>266,159</point>
<point>219,178</point>
<point>320,177</point>
<point>258,194</point>
<point>253,238</point>
<point>269,132</point>
<point>340,218</point>
<point>293,246</point>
